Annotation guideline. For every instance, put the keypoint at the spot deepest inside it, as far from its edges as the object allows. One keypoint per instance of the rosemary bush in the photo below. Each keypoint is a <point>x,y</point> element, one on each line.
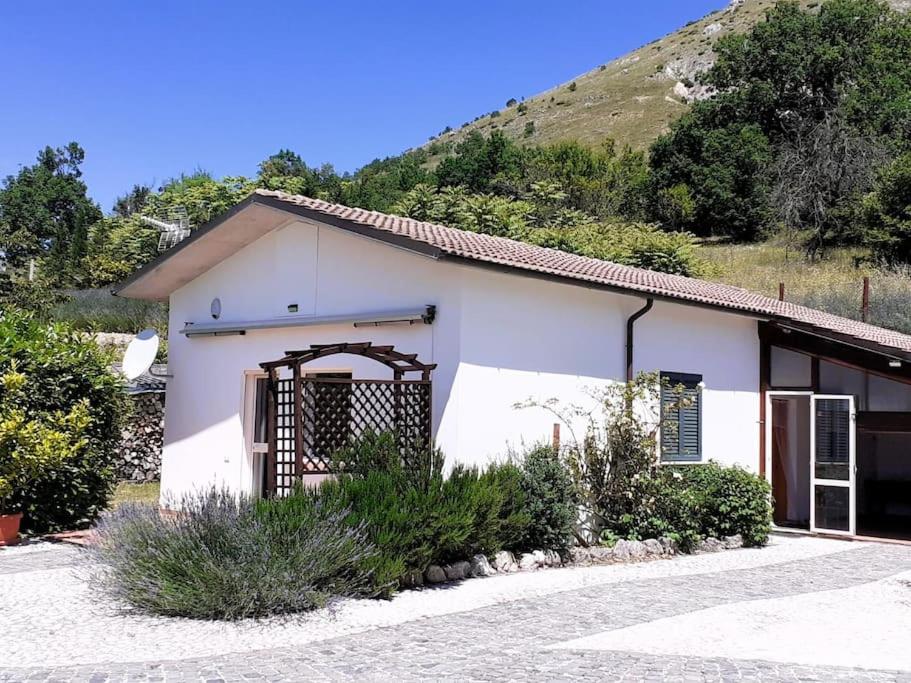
<point>230,558</point>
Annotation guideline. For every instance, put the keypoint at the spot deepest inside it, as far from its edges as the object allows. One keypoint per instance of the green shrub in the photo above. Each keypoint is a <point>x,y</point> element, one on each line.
<point>230,558</point>
<point>62,369</point>
<point>550,500</point>
<point>410,526</point>
<point>688,503</point>
<point>416,517</point>
<point>659,504</point>
<point>514,518</point>
<point>414,526</point>
<point>731,501</point>
<point>383,452</point>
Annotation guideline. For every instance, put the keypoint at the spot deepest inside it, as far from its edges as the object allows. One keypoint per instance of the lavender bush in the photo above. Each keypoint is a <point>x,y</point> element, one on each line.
<point>231,558</point>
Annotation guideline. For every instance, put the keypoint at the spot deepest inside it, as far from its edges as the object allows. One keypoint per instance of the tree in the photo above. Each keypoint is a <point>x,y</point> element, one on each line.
<point>45,213</point>
<point>133,201</point>
<point>805,104</point>
<point>725,169</point>
<point>479,161</point>
<point>887,212</point>
<point>817,178</point>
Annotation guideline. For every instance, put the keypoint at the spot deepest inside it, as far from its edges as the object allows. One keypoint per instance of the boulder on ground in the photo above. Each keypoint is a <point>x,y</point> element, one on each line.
<point>457,570</point>
<point>527,562</point>
<point>731,542</point>
<point>637,550</point>
<point>670,546</point>
<point>581,556</point>
<point>653,547</point>
<point>709,545</point>
<point>622,551</point>
<point>602,554</point>
<point>481,567</point>
<point>505,561</point>
<point>434,574</point>
<point>413,579</point>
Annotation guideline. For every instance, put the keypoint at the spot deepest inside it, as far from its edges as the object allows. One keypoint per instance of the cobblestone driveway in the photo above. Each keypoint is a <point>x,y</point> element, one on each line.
<point>511,641</point>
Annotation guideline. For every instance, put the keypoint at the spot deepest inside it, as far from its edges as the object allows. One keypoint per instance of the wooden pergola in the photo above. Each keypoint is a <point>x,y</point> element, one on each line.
<point>387,355</point>
<point>310,418</point>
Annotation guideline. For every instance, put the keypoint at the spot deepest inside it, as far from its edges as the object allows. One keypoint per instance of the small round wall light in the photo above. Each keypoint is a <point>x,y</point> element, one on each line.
<point>215,308</point>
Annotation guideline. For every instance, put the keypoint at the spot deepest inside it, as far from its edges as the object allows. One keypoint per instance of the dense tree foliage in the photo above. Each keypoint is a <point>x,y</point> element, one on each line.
<point>887,212</point>
<point>45,213</point>
<point>806,106</point>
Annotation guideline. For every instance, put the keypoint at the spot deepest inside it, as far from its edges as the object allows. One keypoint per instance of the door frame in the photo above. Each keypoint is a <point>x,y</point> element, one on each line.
<point>769,395</point>
<point>851,482</point>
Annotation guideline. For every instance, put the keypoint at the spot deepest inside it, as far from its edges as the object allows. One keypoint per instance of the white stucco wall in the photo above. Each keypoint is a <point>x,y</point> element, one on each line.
<point>498,339</point>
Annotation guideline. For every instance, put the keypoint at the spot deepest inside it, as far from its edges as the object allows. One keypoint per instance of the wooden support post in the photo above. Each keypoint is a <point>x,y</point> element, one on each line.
<point>781,291</point>
<point>865,300</point>
<point>271,476</point>
<point>298,421</point>
<point>556,436</point>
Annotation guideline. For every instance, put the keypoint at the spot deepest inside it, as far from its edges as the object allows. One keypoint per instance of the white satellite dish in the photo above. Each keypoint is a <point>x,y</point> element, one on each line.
<point>140,353</point>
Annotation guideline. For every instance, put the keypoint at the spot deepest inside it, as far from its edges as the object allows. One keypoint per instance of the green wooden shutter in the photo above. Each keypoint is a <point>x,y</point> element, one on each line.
<point>681,433</point>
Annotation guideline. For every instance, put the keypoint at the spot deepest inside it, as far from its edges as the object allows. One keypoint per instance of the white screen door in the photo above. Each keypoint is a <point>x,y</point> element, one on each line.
<point>832,452</point>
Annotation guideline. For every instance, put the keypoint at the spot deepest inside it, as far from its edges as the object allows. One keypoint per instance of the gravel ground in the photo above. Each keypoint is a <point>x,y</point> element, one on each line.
<point>52,618</point>
<point>861,626</point>
<point>516,627</point>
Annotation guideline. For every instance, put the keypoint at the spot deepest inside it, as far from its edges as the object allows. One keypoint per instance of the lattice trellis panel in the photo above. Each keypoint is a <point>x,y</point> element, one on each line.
<point>335,412</point>
<point>284,461</point>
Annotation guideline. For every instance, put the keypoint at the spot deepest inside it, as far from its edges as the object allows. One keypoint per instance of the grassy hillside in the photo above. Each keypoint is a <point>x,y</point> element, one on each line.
<point>833,284</point>
<point>632,99</point>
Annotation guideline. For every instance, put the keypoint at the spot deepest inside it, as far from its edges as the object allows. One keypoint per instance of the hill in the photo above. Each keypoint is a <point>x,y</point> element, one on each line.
<point>632,99</point>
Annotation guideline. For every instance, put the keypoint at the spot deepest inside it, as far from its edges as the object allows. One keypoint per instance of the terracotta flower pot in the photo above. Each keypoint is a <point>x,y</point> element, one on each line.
<point>9,528</point>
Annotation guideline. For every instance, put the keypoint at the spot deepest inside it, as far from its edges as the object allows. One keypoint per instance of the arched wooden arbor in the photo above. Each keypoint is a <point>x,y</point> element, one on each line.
<point>310,417</point>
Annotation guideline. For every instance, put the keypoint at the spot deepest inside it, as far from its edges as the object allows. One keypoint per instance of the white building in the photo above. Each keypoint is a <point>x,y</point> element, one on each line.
<point>820,404</point>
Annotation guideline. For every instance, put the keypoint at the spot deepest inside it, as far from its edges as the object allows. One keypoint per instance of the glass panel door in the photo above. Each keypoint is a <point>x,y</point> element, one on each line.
<point>832,455</point>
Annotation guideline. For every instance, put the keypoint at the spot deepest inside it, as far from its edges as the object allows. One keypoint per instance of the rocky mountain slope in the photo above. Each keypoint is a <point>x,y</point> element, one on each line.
<point>632,99</point>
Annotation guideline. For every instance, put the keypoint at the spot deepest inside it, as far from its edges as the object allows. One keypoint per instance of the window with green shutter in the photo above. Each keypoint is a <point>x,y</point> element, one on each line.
<point>681,406</point>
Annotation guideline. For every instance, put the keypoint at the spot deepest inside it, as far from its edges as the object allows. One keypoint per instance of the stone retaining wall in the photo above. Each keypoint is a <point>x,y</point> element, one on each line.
<point>141,439</point>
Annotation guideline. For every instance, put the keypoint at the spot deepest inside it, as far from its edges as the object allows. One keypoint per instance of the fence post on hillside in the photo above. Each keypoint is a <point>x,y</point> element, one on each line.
<point>865,300</point>
<point>556,437</point>
<point>781,291</point>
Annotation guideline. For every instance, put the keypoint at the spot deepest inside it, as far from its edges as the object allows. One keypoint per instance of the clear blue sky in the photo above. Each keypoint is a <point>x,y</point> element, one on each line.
<point>154,89</point>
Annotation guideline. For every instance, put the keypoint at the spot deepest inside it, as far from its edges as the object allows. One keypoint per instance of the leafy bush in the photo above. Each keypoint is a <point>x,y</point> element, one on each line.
<point>417,521</point>
<point>514,517</point>
<point>229,558</point>
<point>63,372</point>
<point>691,502</point>
<point>624,492</point>
<point>28,447</point>
<point>382,452</point>
<point>659,505</point>
<point>731,501</point>
<point>550,500</point>
<point>410,526</point>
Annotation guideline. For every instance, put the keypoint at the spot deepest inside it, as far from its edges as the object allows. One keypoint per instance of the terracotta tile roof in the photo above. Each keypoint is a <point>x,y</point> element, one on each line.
<point>527,257</point>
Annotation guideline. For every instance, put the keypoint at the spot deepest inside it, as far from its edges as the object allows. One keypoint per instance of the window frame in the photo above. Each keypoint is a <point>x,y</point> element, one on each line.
<point>690,381</point>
